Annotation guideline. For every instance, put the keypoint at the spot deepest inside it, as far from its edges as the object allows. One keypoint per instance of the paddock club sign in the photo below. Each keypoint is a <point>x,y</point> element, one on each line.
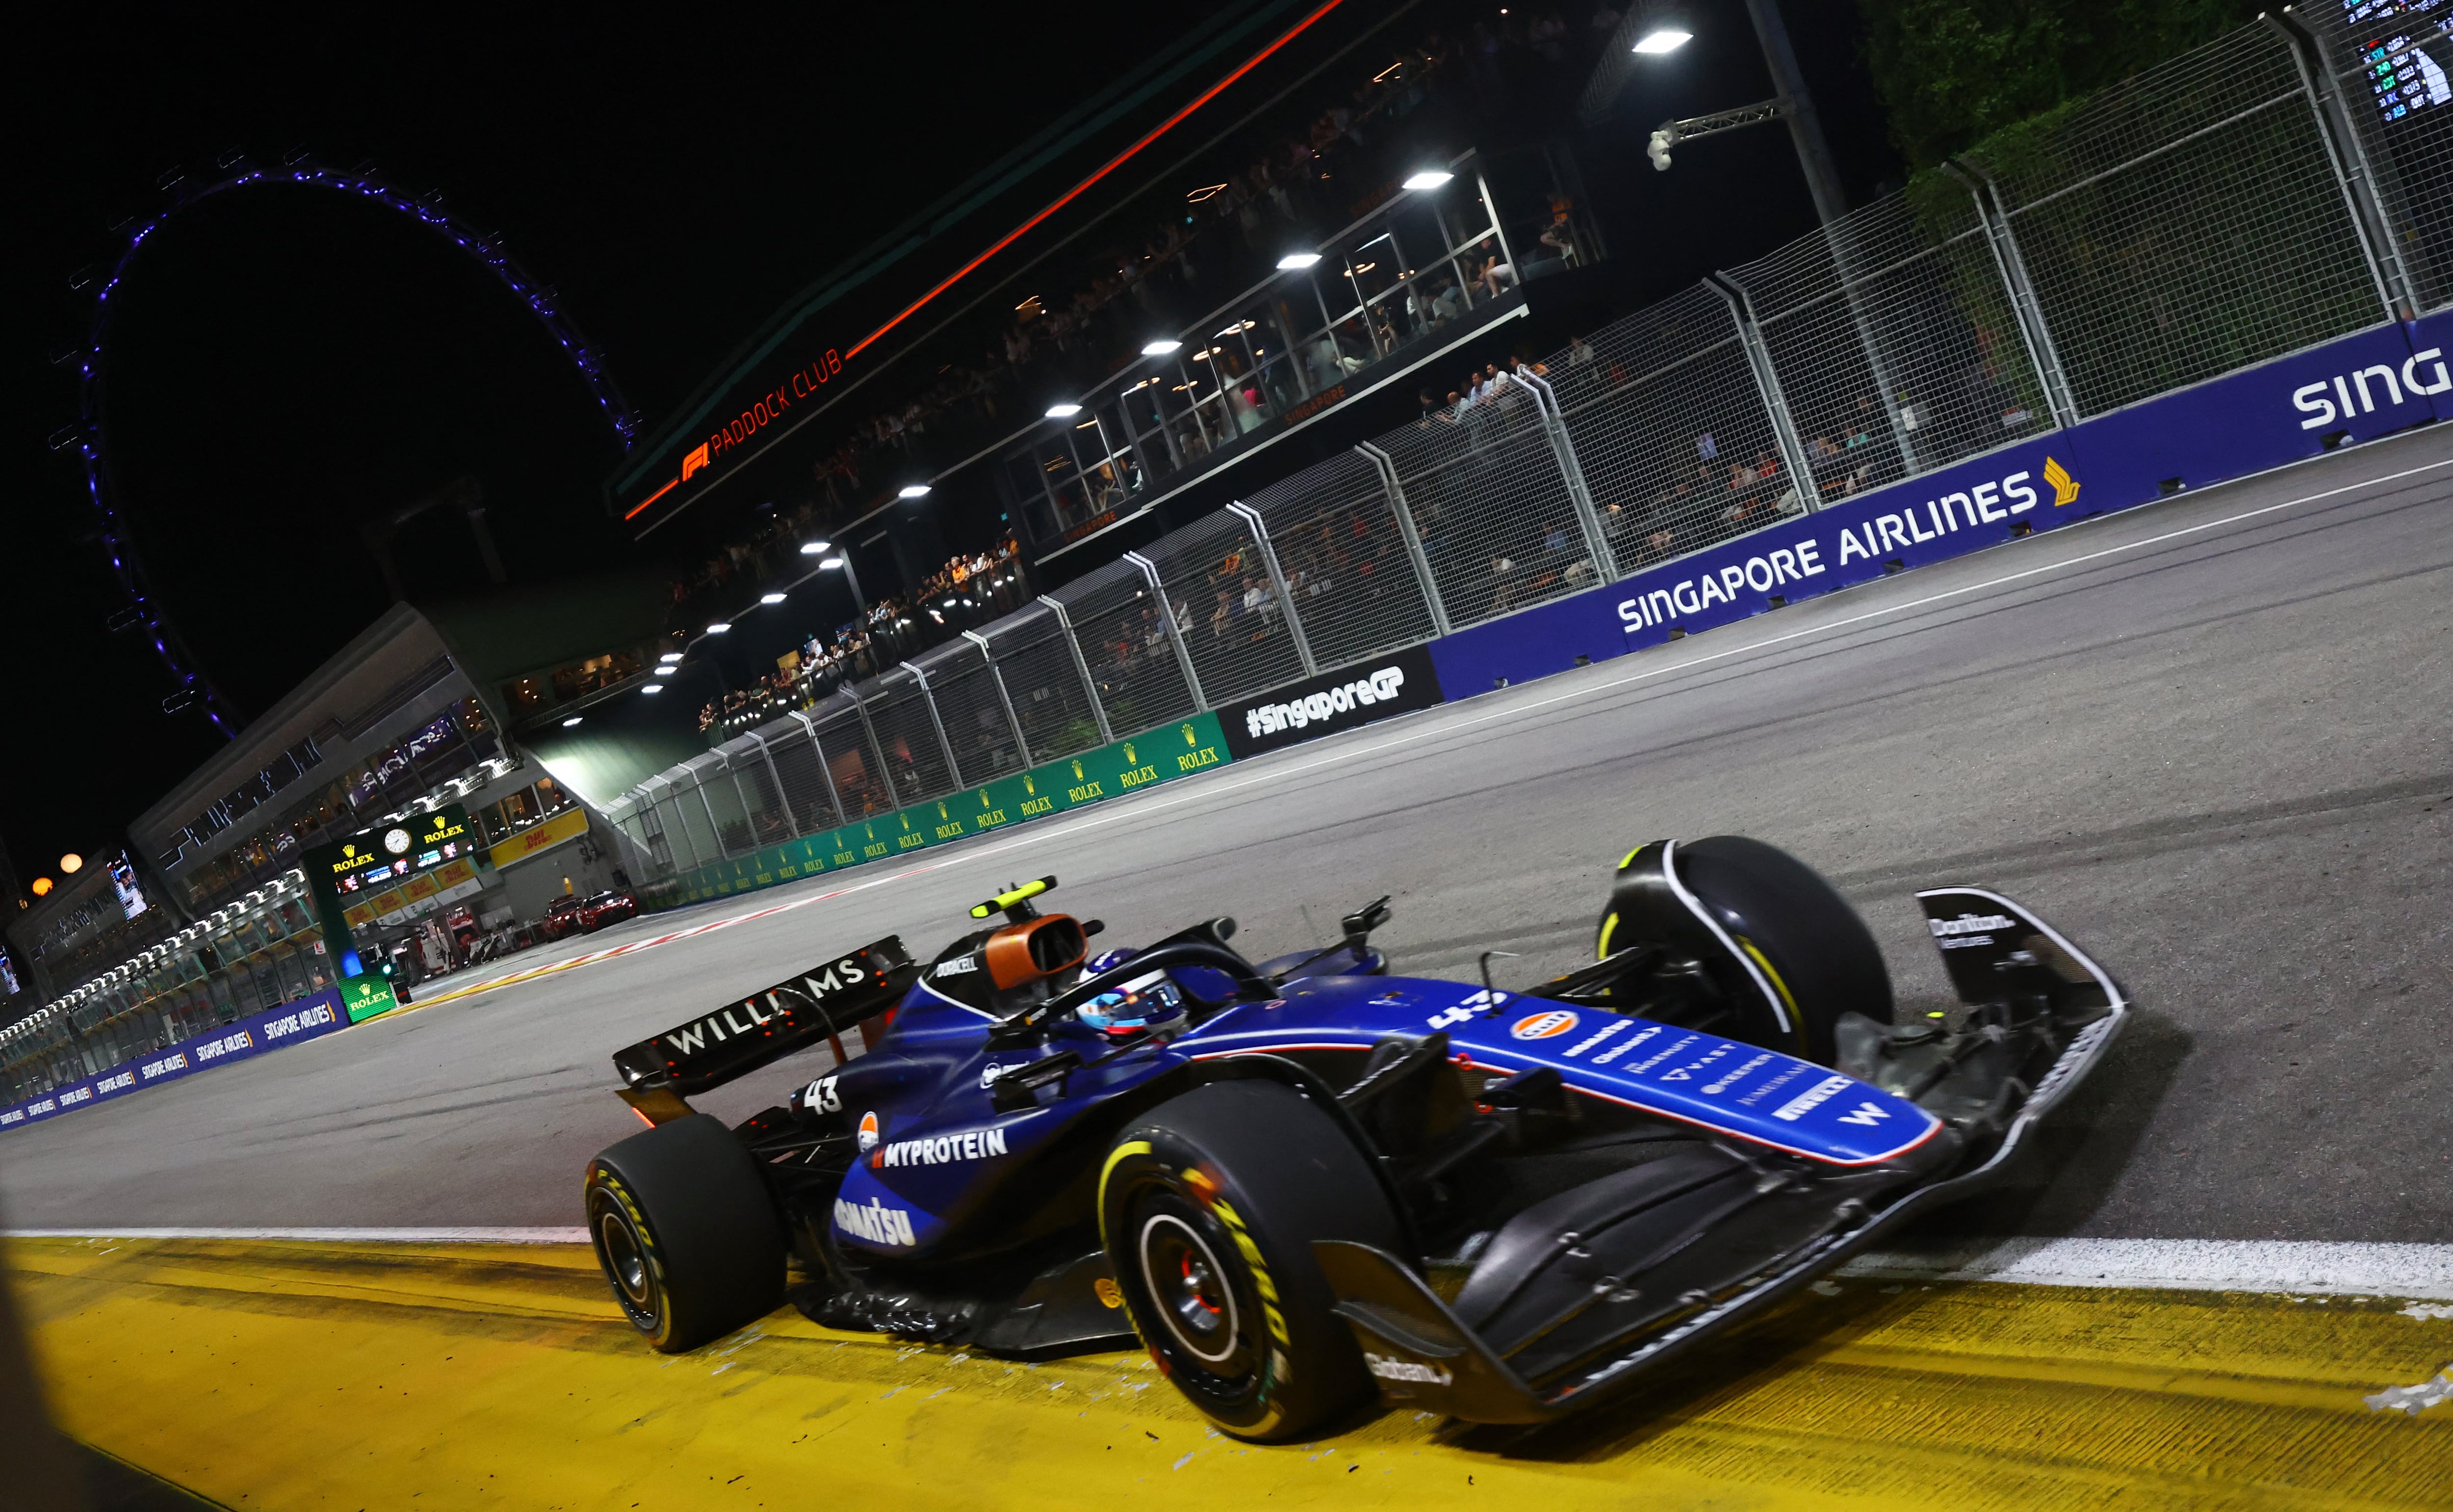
<point>1400,683</point>
<point>771,405</point>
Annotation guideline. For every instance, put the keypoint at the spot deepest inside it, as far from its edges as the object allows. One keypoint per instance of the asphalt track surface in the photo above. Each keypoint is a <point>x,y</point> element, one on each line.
<point>2212,740</point>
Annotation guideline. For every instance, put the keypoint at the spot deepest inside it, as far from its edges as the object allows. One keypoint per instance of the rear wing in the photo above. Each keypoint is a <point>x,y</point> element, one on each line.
<point>737,1039</point>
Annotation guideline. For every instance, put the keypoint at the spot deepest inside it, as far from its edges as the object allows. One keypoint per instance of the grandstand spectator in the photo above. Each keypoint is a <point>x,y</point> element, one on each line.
<point>1496,276</point>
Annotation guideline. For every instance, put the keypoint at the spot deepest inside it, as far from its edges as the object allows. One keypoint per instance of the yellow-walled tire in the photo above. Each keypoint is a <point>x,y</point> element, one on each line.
<point>685,1231</point>
<point>1209,1207</point>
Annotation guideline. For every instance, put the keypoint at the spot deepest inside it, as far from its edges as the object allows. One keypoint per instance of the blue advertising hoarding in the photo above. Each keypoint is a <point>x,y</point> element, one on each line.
<point>276,1028</point>
<point>2358,388</point>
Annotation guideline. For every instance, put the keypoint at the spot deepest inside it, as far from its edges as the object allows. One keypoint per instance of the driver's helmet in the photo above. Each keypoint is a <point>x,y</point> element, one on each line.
<point>1128,1009</point>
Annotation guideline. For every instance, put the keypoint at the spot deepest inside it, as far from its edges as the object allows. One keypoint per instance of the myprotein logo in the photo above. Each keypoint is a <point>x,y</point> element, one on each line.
<point>944,1149</point>
<point>2329,401</point>
<point>1399,683</point>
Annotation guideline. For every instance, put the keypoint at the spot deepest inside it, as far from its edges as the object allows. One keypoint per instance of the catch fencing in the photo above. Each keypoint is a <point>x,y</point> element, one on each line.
<point>2250,199</point>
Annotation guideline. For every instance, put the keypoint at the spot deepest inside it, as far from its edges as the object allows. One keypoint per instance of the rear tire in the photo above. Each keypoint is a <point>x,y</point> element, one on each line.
<point>687,1232</point>
<point>1209,1207</point>
<point>1820,955</point>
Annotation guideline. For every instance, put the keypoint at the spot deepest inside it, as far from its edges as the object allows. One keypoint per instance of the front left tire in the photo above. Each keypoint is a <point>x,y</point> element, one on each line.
<point>1209,1207</point>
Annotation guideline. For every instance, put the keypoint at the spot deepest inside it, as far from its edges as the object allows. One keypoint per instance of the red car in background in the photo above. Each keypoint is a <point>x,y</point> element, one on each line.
<point>562,918</point>
<point>607,907</point>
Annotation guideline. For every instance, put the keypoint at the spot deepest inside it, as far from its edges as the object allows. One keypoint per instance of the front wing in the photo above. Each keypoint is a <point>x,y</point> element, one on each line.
<point>1425,1355</point>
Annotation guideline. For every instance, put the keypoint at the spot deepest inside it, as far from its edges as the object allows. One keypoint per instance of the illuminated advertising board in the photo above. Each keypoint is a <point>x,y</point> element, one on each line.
<point>384,857</point>
<point>123,881</point>
<point>2404,77</point>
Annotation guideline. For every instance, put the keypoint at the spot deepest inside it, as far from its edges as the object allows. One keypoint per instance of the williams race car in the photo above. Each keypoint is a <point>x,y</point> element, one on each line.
<point>1300,1181</point>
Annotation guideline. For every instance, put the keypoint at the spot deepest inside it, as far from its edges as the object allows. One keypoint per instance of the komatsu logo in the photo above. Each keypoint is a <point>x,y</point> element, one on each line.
<point>874,1221</point>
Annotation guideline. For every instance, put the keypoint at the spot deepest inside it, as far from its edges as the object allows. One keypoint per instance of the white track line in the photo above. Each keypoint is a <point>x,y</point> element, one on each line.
<point>2297,1267</point>
<point>324,1236</point>
<point>1204,790</point>
<point>2293,1267</point>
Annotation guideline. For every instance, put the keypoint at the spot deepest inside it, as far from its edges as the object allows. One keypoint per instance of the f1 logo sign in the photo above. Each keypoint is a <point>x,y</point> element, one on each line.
<point>693,460</point>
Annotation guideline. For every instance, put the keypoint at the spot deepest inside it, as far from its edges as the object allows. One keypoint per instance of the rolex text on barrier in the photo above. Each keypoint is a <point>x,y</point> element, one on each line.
<point>1155,756</point>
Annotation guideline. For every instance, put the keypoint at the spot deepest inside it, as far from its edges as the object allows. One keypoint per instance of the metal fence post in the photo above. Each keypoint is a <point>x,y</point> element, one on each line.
<point>818,748</point>
<point>1515,270</point>
<point>1783,429</point>
<point>953,768</point>
<point>781,797</point>
<point>2024,307</point>
<point>877,747</point>
<point>2348,155</point>
<point>1383,465</point>
<point>1554,424</point>
<point>1174,634</point>
<point>714,826</point>
<point>1277,581</point>
<point>1081,665</point>
<point>748,806</point>
<point>663,823</point>
<point>996,675</point>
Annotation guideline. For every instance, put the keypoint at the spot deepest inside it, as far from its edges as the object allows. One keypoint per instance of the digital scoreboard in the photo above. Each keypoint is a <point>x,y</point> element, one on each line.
<point>2401,54</point>
<point>379,858</point>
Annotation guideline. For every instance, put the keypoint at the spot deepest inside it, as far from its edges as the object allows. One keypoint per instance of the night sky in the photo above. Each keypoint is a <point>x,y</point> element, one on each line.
<point>287,365</point>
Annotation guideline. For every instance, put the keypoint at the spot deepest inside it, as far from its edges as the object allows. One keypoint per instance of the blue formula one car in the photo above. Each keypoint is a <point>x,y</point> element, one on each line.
<point>1302,1180</point>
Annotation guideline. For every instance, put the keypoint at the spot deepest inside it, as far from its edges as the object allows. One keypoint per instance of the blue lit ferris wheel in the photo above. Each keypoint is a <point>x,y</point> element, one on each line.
<point>89,435</point>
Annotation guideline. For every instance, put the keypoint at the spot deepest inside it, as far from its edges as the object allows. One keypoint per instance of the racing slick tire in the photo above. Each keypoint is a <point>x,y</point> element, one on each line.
<point>687,1232</point>
<point>1822,959</point>
<point>1209,1206</point>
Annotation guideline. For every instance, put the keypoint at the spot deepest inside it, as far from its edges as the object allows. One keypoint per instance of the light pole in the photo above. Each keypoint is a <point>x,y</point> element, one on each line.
<point>1804,125</point>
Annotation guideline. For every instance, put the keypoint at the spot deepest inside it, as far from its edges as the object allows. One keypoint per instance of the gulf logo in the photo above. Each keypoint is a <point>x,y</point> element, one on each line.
<point>1543,1026</point>
<point>868,1132</point>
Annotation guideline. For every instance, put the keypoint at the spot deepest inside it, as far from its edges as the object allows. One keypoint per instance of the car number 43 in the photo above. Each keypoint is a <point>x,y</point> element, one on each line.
<point>821,1097</point>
